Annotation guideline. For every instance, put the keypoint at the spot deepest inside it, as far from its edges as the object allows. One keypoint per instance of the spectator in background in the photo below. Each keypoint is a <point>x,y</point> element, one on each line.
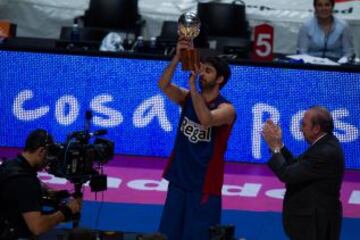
<point>325,35</point>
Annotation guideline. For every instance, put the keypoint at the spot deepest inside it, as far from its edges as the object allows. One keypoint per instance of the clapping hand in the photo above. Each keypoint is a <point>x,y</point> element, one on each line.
<point>272,135</point>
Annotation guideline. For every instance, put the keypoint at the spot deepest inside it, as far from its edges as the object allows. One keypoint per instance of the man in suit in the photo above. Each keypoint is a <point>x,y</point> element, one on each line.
<point>312,208</point>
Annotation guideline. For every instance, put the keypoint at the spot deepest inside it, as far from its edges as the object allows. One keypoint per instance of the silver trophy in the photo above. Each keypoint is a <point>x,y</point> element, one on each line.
<point>189,27</point>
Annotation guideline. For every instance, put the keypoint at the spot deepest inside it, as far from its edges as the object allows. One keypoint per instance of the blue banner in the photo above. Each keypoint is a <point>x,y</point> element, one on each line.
<point>53,91</point>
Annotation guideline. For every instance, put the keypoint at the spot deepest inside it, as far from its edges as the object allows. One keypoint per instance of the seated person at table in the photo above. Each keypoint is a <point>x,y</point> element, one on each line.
<point>324,35</point>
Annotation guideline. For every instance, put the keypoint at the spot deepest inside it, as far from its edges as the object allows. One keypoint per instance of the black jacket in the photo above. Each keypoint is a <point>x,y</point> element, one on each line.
<point>313,180</point>
<point>20,192</point>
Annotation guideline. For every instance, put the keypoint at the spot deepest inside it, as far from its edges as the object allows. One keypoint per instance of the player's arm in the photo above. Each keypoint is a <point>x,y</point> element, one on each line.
<point>224,114</point>
<point>175,93</point>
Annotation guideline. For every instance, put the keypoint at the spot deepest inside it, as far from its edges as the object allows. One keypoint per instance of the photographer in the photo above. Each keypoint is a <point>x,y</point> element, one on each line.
<point>21,194</point>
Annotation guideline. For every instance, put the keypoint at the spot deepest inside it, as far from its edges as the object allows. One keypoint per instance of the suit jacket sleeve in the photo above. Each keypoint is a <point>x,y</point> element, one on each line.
<point>287,155</point>
<point>315,163</point>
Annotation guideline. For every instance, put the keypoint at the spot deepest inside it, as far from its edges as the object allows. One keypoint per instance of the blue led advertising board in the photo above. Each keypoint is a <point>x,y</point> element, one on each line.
<point>53,91</point>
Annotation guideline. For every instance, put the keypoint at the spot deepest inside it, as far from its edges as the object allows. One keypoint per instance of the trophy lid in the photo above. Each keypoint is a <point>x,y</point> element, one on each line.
<point>189,25</point>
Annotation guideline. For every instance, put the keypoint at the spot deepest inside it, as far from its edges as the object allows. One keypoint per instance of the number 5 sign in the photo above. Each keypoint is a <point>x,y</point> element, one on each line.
<point>263,43</point>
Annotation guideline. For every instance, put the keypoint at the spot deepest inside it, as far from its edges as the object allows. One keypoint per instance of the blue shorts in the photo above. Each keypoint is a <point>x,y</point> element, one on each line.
<point>186,216</point>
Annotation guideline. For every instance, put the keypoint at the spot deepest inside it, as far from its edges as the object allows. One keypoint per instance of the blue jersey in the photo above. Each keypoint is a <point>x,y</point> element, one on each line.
<point>197,160</point>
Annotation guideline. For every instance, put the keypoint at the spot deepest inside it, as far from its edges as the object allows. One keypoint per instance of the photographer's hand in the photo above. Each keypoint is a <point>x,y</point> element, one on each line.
<point>75,205</point>
<point>39,223</point>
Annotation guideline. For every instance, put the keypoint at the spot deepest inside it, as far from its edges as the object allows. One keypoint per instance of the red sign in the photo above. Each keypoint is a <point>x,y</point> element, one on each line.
<point>263,43</point>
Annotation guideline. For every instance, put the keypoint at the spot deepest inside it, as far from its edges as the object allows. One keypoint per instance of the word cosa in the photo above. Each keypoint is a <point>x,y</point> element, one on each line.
<point>67,110</point>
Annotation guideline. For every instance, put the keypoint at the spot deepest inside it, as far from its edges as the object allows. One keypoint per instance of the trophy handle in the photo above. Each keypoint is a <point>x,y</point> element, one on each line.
<point>188,58</point>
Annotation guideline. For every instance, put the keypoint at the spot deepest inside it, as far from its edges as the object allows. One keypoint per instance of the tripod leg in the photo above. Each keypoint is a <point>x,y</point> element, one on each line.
<point>77,194</point>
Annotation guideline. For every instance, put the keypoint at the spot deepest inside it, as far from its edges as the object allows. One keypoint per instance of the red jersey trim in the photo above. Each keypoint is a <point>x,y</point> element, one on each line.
<point>168,164</point>
<point>214,176</point>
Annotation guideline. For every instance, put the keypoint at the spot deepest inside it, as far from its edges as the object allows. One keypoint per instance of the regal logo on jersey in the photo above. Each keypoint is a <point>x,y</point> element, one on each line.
<point>194,131</point>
